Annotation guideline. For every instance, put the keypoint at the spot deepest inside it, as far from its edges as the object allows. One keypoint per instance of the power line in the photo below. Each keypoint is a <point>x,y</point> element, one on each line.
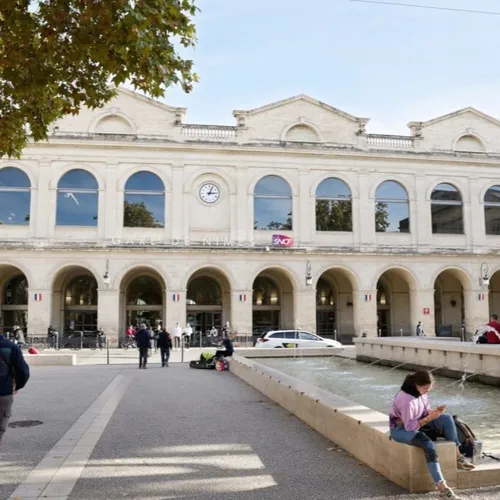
<point>432,7</point>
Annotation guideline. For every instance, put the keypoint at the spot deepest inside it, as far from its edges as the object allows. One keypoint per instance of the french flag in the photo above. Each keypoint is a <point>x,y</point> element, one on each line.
<point>368,298</point>
<point>176,297</point>
<point>243,298</point>
<point>38,297</point>
<point>481,296</point>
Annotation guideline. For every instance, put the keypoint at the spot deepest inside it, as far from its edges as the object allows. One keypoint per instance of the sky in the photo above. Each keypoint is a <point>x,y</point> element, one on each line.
<point>387,63</point>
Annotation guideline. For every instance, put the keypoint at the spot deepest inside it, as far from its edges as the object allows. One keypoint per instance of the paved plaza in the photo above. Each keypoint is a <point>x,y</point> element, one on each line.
<point>115,431</point>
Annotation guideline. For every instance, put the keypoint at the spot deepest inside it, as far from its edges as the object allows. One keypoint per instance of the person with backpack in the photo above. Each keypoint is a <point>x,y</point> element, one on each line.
<point>165,344</point>
<point>143,339</point>
<point>14,374</point>
<point>411,412</point>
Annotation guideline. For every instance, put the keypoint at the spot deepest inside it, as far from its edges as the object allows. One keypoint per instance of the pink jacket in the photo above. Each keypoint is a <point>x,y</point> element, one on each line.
<point>409,409</point>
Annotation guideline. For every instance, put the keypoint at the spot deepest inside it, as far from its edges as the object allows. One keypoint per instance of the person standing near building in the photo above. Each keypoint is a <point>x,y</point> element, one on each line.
<point>19,336</point>
<point>14,374</point>
<point>143,339</point>
<point>420,329</point>
<point>165,344</point>
<point>177,335</point>
<point>188,331</point>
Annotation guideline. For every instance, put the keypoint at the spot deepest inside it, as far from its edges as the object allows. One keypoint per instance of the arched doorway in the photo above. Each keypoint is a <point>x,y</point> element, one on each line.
<point>272,302</point>
<point>14,299</point>
<point>208,300</point>
<point>449,305</point>
<point>74,301</point>
<point>394,289</point>
<point>494,294</point>
<point>142,295</point>
<point>334,305</point>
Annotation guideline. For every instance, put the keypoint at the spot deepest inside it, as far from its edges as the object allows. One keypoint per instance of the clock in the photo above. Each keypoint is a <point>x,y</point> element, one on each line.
<point>209,192</point>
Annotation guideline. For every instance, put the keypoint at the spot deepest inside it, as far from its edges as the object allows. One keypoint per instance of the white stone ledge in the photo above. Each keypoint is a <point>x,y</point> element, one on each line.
<point>50,359</point>
<point>258,352</point>
<point>359,430</point>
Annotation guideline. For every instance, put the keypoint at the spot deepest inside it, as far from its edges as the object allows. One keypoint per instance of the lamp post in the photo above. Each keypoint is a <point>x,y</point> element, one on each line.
<point>484,280</point>
<point>106,279</point>
<point>309,279</point>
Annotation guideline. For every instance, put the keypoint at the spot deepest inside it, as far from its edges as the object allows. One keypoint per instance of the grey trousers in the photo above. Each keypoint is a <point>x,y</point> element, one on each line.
<point>5,413</point>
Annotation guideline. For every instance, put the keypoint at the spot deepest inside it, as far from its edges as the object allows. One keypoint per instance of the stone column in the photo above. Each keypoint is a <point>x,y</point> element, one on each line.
<point>108,315</point>
<point>476,310</point>
<point>366,211</point>
<point>422,309</point>
<point>241,317</point>
<point>305,230</point>
<point>305,309</point>
<point>39,311</point>
<point>365,312</point>
<point>174,213</point>
<point>175,305</point>
<point>244,231</point>
<point>110,224</point>
<point>40,215</point>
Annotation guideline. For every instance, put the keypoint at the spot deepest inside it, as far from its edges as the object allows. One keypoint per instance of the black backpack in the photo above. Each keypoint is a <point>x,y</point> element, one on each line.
<point>466,437</point>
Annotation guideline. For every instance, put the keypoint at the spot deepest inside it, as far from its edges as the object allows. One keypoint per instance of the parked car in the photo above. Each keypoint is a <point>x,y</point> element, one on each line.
<point>293,338</point>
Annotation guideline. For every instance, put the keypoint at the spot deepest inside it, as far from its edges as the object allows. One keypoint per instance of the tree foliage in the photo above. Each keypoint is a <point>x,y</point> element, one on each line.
<point>137,215</point>
<point>382,222</point>
<point>333,215</point>
<point>59,55</point>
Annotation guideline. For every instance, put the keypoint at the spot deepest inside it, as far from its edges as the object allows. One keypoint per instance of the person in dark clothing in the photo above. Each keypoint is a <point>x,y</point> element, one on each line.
<point>14,374</point>
<point>165,344</point>
<point>143,339</point>
<point>228,348</point>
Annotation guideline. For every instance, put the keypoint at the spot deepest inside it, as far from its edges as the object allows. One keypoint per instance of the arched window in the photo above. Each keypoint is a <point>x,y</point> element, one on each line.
<point>77,199</point>
<point>265,292</point>
<point>15,196</point>
<point>145,291</point>
<point>144,204</point>
<point>446,210</point>
<point>392,211</point>
<point>273,204</point>
<point>204,291</point>
<point>80,304</point>
<point>325,293</point>
<point>492,210</point>
<point>333,206</point>
<point>16,292</point>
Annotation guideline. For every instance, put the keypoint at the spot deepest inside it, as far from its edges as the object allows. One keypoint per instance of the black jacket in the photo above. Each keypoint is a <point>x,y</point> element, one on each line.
<point>229,347</point>
<point>13,368</point>
<point>142,338</point>
<point>164,341</point>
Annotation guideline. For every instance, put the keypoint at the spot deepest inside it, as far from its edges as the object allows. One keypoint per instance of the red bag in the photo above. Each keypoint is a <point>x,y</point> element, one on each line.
<point>32,350</point>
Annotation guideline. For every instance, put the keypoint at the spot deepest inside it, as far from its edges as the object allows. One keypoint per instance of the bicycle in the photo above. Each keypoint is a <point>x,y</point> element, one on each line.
<point>128,343</point>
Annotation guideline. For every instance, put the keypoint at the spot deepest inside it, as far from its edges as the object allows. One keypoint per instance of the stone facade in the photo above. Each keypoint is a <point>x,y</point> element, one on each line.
<point>379,280</point>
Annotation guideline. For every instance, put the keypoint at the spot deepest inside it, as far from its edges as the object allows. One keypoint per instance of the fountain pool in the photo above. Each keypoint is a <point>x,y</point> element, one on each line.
<point>375,386</point>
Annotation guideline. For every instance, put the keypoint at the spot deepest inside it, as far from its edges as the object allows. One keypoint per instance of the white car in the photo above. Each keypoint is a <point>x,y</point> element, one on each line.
<point>293,338</point>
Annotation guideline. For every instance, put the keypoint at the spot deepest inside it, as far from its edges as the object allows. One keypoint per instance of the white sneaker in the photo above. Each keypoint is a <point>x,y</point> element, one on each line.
<point>448,493</point>
<point>464,464</point>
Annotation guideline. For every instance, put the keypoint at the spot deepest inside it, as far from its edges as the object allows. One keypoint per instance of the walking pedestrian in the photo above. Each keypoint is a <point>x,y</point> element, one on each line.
<point>165,344</point>
<point>420,329</point>
<point>143,338</point>
<point>19,336</point>
<point>14,374</point>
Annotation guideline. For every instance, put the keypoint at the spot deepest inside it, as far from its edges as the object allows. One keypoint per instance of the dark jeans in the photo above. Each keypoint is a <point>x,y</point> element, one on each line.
<point>177,341</point>
<point>5,413</point>
<point>143,356</point>
<point>164,355</point>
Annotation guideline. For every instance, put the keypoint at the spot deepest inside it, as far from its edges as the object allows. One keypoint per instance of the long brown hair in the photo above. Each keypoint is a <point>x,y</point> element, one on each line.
<point>420,378</point>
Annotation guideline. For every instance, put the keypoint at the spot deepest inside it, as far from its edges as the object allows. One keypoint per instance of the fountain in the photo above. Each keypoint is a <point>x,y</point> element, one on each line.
<point>352,411</point>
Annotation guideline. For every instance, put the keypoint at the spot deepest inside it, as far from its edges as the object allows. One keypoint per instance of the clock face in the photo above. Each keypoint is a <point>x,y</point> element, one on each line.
<point>209,193</point>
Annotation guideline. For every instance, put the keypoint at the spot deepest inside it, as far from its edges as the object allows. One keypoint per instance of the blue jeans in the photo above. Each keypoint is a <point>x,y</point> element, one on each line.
<point>445,424</point>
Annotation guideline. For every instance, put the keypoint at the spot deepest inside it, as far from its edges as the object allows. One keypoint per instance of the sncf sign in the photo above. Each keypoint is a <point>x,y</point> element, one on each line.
<point>282,241</point>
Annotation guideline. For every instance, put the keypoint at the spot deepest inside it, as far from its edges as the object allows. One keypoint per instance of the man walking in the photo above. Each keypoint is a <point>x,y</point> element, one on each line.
<point>143,338</point>
<point>420,329</point>
<point>14,374</point>
<point>165,344</point>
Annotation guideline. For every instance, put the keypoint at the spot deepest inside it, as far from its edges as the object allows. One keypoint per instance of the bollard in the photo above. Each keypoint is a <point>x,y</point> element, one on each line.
<point>200,341</point>
<point>57,340</point>
<point>380,332</point>
<point>335,335</point>
<point>107,348</point>
<point>182,350</point>
<point>463,334</point>
<point>81,340</point>
<point>401,332</point>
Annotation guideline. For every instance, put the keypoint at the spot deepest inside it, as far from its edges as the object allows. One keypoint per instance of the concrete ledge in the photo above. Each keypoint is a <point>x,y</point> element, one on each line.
<point>451,359</point>
<point>259,352</point>
<point>361,431</point>
<point>50,359</point>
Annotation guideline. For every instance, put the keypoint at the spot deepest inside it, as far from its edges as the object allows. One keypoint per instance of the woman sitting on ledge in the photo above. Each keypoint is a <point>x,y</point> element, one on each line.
<point>410,412</point>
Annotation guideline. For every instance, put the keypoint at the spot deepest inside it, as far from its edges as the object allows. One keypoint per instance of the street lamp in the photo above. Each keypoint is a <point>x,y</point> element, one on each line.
<point>309,279</point>
<point>106,279</point>
<point>484,280</point>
